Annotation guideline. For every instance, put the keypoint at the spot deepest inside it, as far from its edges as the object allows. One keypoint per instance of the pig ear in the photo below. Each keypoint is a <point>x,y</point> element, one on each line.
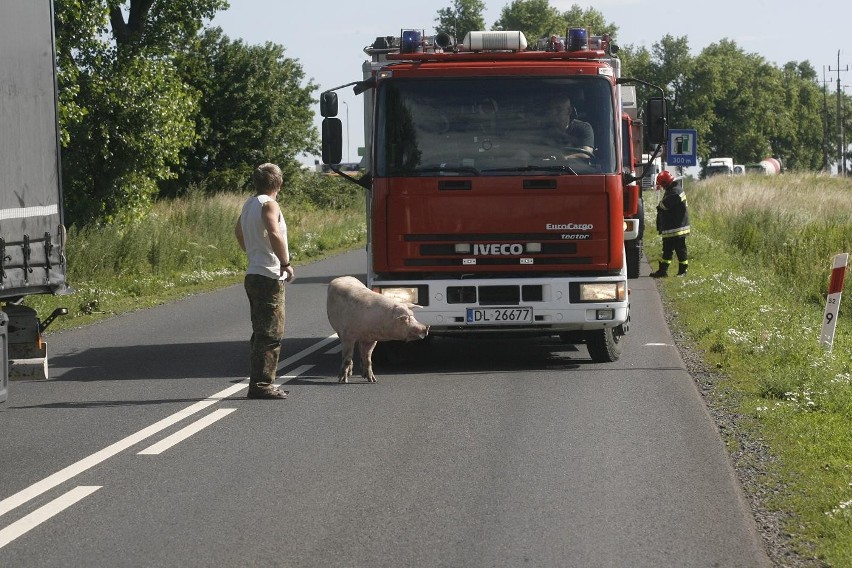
<point>411,306</point>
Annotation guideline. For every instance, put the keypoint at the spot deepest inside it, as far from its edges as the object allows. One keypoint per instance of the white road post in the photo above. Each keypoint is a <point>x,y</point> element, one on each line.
<point>832,303</point>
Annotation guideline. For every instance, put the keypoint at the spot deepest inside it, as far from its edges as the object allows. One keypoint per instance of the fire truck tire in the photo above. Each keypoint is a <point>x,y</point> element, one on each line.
<point>633,250</point>
<point>604,345</point>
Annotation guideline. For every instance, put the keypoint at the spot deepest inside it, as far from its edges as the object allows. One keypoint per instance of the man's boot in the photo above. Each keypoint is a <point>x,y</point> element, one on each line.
<point>681,268</point>
<point>662,272</point>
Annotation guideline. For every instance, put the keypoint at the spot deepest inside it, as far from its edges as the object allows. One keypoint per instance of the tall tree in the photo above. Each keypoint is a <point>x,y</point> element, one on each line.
<point>253,109</point>
<point>591,19</point>
<point>464,16</point>
<point>536,18</point>
<point>125,112</point>
<point>802,148</point>
<point>158,26</point>
<point>736,103</point>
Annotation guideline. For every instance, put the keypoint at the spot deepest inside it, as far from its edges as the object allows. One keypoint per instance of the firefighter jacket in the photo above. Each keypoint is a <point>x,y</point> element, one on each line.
<point>672,213</point>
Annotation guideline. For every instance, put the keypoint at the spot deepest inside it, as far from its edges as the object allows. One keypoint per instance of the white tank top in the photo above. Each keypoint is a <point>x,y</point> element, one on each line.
<point>261,257</point>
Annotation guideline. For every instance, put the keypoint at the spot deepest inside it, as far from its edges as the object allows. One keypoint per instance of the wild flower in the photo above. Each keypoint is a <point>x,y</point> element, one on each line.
<point>839,509</point>
<point>842,379</point>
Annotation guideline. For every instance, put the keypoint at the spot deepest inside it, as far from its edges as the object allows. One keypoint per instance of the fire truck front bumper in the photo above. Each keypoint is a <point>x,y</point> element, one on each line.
<point>525,306</point>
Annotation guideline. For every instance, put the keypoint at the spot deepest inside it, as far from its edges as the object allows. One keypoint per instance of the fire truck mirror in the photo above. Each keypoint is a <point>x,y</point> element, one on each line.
<point>328,104</point>
<point>657,115</point>
<point>332,140</point>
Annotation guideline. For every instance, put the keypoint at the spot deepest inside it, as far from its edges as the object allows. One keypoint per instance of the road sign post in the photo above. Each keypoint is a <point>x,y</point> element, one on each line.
<point>832,303</point>
<point>681,148</point>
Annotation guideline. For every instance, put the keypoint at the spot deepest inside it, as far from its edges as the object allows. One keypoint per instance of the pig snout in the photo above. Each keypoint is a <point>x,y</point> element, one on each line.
<point>416,330</point>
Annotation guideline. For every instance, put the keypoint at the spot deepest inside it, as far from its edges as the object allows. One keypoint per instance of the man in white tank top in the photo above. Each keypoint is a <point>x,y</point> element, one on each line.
<point>262,234</point>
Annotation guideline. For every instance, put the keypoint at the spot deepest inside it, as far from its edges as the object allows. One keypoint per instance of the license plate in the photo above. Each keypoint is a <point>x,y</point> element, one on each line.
<point>498,316</point>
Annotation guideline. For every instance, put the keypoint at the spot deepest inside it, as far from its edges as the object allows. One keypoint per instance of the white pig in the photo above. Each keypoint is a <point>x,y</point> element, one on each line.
<point>363,317</point>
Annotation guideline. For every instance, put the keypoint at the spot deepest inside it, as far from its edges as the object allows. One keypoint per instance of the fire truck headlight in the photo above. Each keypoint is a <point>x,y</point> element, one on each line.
<point>403,295</point>
<point>603,292</point>
<point>462,248</point>
<point>533,247</point>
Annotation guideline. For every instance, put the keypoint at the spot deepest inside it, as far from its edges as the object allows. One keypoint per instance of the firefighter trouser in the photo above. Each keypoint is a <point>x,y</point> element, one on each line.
<point>672,246</point>
<point>266,302</point>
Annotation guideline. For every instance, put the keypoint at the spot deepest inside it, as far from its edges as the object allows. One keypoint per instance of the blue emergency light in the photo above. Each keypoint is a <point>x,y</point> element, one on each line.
<point>577,39</point>
<point>412,41</point>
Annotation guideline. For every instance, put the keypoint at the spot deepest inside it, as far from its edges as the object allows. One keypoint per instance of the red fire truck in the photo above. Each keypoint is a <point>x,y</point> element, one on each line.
<point>485,205</point>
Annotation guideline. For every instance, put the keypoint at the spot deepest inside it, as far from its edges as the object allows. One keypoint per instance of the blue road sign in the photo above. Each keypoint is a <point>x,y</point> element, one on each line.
<point>681,147</point>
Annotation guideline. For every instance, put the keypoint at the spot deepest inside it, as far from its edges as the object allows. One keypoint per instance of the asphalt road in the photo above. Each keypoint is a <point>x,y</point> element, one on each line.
<point>143,451</point>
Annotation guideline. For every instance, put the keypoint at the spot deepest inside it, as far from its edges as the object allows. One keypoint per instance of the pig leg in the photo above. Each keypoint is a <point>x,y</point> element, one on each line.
<point>366,350</point>
<point>346,367</point>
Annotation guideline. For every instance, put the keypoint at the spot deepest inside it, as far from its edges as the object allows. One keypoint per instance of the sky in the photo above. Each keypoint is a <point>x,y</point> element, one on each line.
<point>328,38</point>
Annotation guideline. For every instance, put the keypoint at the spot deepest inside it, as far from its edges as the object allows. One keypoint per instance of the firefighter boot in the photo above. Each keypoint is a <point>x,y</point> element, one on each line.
<point>662,272</point>
<point>681,268</point>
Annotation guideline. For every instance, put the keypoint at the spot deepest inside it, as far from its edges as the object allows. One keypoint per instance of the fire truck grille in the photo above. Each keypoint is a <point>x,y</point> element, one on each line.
<point>489,249</point>
<point>505,261</point>
<point>494,295</point>
<point>546,248</point>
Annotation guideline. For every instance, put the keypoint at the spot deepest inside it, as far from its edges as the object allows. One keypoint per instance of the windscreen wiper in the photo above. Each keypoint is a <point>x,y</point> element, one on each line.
<point>562,169</point>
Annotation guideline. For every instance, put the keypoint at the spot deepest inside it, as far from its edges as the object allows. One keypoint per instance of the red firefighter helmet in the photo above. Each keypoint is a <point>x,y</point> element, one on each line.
<point>665,178</point>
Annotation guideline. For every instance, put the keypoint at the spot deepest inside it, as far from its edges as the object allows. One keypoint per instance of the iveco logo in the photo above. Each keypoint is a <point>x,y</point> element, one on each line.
<point>569,227</point>
<point>515,249</point>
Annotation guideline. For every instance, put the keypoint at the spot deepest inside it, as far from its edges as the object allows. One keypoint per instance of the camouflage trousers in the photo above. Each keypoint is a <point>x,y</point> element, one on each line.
<point>266,302</point>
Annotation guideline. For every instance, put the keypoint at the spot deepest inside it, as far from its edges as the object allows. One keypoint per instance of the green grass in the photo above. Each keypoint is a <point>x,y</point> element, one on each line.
<point>760,259</point>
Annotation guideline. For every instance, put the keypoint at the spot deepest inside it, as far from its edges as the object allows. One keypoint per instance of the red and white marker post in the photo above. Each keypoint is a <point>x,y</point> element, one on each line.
<point>832,303</point>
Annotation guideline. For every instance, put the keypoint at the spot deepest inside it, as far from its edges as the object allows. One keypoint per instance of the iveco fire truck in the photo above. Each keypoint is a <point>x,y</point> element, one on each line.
<point>485,207</point>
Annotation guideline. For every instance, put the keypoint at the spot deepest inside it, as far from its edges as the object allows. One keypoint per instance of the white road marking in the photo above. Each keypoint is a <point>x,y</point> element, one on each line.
<point>86,463</point>
<point>44,513</point>
<point>200,424</point>
<point>656,345</point>
<point>305,352</point>
<point>297,372</point>
<point>186,432</point>
<point>74,469</point>
<point>336,349</point>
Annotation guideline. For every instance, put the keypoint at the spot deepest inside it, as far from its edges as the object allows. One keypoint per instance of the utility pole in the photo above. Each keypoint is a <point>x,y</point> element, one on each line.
<point>347,130</point>
<point>825,152</point>
<point>841,138</point>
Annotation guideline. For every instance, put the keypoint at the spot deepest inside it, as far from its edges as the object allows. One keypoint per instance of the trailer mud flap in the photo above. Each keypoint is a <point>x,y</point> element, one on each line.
<point>4,355</point>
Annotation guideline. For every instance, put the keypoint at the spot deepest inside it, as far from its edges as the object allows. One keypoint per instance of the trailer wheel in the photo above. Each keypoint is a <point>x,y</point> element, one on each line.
<point>604,345</point>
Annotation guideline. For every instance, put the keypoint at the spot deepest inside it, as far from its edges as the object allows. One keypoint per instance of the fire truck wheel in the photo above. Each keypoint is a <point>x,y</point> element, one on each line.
<point>633,250</point>
<point>604,345</point>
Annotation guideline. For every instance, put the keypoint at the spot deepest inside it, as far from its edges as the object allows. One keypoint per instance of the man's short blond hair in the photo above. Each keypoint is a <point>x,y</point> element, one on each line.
<point>267,177</point>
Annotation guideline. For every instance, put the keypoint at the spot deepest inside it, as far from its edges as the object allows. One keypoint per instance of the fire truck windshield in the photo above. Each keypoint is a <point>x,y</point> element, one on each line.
<point>495,126</point>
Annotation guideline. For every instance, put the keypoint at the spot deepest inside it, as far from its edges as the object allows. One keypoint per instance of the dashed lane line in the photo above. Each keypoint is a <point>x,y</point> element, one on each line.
<point>86,463</point>
<point>186,432</point>
<point>44,513</point>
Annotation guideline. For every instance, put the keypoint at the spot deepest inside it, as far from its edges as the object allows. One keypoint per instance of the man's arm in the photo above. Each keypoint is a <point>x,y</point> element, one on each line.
<point>271,214</point>
<point>238,232</point>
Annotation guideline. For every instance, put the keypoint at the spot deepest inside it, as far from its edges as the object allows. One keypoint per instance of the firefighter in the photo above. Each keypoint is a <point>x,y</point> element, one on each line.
<point>672,224</point>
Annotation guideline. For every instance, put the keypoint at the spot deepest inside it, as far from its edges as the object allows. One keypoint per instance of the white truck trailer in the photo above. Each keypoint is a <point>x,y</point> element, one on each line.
<point>32,233</point>
<point>719,166</point>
